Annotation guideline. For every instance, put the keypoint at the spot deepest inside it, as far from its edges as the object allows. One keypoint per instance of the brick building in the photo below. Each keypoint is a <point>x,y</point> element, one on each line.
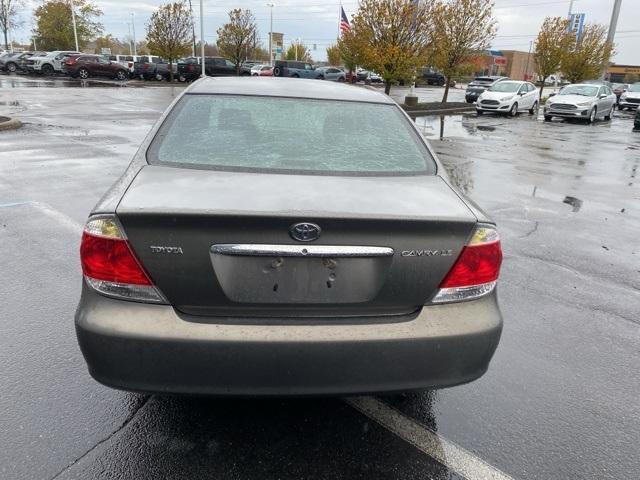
<point>520,65</point>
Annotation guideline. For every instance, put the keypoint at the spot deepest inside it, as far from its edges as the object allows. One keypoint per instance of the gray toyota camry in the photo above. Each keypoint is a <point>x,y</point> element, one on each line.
<point>286,237</point>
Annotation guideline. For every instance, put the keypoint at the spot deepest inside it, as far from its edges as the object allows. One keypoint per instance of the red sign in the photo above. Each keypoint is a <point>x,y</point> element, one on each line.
<point>500,60</point>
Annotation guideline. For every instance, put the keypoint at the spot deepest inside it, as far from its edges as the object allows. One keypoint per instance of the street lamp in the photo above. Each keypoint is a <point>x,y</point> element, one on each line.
<point>133,27</point>
<point>202,72</point>
<point>271,5</point>
<point>73,20</point>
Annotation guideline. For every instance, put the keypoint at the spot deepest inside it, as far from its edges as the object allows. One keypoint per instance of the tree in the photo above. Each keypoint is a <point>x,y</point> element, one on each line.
<point>588,55</point>
<point>349,58</point>
<point>260,53</point>
<point>390,37</point>
<point>334,56</point>
<point>235,36</point>
<point>552,44</point>
<point>169,32</point>
<point>631,78</point>
<point>298,51</point>
<point>112,43</point>
<point>54,27</point>
<point>462,28</point>
<point>9,19</point>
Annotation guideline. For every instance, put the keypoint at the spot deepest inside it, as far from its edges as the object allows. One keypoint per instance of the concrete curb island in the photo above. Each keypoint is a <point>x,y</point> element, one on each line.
<point>438,108</point>
<point>8,123</point>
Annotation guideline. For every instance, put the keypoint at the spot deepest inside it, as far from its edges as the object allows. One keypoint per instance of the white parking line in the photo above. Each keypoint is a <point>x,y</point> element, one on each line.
<point>446,452</point>
<point>61,218</point>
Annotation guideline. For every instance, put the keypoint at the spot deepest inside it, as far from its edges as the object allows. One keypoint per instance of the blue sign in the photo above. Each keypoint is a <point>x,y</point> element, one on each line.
<point>576,24</point>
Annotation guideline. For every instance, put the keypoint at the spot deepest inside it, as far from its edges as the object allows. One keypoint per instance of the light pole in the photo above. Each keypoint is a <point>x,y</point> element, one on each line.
<point>73,20</point>
<point>612,31</point>
<point>202,72</point>
<point>133,27</point>
<point>130,44</point>
<point>570,7</point>
<point>271,5</point>
<point>193,31</point>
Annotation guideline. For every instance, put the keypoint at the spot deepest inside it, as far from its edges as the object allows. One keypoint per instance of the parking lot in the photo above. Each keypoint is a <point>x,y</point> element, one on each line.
<point>560,400</point>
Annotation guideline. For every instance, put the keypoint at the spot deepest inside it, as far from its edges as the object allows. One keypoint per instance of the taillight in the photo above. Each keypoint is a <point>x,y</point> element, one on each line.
<point>110,266</point>
<point>476,270</point>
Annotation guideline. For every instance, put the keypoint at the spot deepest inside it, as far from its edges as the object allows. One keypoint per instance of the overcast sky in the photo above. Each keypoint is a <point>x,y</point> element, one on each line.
<point>316,21</point>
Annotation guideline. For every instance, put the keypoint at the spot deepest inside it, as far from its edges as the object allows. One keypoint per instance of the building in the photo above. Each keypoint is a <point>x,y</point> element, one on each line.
<point>519,65</point>
<point>617,73</point>
<point>509,63</point>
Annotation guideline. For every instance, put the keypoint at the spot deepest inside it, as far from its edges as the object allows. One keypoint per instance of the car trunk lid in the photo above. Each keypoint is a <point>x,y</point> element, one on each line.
<point>220,243</point>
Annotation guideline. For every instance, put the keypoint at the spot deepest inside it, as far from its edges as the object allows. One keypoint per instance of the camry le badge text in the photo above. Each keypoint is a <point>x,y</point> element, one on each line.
<point>426,253</point>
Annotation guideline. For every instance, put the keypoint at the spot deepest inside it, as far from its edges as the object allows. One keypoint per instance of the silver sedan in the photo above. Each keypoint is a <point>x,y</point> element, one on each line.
<point>584,101</point>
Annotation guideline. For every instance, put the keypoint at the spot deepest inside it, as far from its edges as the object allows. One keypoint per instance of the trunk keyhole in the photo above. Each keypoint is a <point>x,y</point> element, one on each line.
<point>275,287</point>
<point>328,283</point>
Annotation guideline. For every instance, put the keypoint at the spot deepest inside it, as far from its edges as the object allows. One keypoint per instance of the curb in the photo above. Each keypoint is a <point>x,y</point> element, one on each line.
<point>8,123</point>
<point>444,111</point>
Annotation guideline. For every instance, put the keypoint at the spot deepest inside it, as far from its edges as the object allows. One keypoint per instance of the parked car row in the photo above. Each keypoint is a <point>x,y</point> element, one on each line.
<point>583,101</point>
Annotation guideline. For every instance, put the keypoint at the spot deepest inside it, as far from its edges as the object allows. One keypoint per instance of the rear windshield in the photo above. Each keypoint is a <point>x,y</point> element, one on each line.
<point>506,87</point>
<point>253,133</point>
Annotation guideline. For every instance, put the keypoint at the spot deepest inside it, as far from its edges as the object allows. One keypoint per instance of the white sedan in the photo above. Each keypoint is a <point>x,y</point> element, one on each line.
<point>509,96</point>
<point>255,70</point>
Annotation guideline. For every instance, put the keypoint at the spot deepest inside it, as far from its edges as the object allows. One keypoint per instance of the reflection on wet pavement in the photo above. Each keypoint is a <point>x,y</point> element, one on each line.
<point>576,203</point>
<point>255,439</point>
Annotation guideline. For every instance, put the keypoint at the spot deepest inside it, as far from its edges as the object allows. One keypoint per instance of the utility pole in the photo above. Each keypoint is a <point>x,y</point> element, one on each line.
<point>75,29</point>
<point>202,72</point>
<point>133,28</point>
<point>614,21</point>
<point>526,69</point>
<point>193,31</point>
<point>612,30</point>
<point>271,5</point>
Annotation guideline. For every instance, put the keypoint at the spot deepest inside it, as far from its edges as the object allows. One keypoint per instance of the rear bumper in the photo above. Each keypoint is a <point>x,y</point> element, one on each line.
<point>151,348</point>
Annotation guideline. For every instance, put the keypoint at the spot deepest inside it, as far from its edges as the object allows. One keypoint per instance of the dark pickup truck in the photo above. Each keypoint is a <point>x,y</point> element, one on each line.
<point>431,77</point>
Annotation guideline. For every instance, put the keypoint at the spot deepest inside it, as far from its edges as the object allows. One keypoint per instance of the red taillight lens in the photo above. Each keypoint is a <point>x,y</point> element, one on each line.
<point>111,260</point>
<point>476,265</point>
<point>110,266</point>
<point>476,270</point>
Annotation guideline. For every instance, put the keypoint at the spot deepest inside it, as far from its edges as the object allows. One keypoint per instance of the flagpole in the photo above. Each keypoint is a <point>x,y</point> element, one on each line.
<point>339,17</point>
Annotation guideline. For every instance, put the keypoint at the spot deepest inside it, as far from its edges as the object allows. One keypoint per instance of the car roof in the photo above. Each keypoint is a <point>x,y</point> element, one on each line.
<point>287,87</point>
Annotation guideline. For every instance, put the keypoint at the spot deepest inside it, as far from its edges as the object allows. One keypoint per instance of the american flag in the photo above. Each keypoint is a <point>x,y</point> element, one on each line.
<point>344,23</point>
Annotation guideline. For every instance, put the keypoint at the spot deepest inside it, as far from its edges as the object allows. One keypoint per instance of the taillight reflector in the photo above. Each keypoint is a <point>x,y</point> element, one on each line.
<point>476,265</point>
<point>111,260</point>
<point>476,270</point>
<point>109,264</point>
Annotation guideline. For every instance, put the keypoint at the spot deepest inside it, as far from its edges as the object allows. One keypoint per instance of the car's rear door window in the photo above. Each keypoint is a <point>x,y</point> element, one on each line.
<point>254,133</point>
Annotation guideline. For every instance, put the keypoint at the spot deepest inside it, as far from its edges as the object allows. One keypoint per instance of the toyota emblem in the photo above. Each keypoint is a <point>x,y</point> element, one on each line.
<point>305,232</point>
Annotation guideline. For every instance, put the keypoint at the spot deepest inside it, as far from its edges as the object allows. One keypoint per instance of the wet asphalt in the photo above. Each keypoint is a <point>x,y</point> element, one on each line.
<point>561,398</point>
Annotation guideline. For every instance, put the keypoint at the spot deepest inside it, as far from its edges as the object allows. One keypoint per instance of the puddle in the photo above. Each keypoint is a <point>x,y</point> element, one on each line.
<point>451,126</point>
